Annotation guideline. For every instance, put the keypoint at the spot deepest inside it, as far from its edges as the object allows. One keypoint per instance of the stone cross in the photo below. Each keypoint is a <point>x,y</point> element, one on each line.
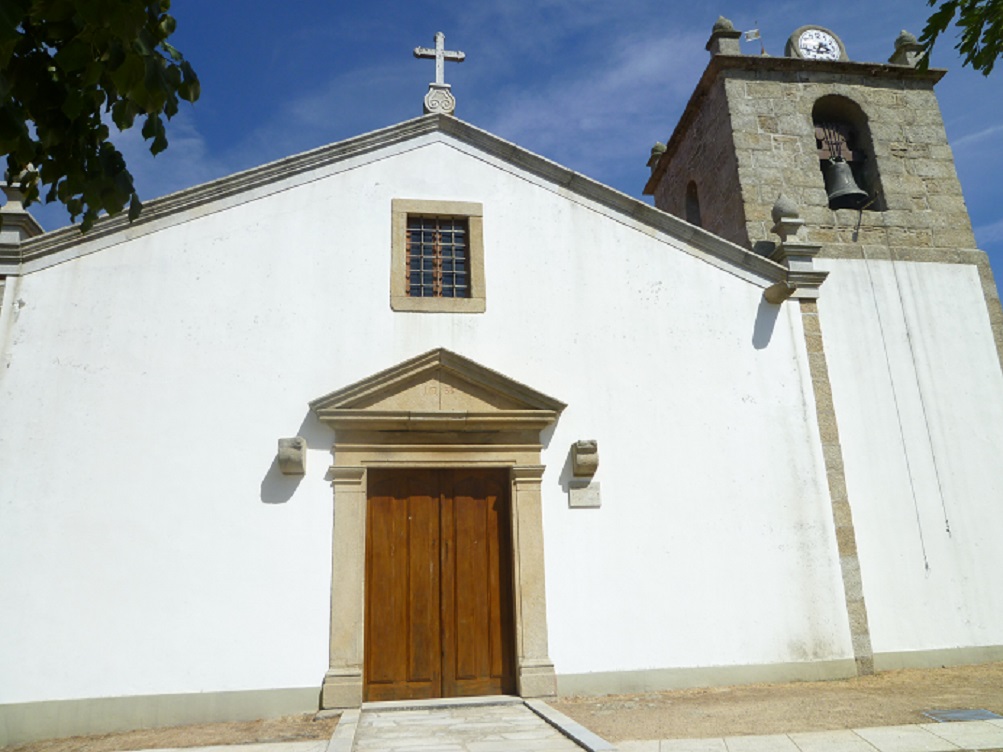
<point>441,55</point>
<point>439,99</point>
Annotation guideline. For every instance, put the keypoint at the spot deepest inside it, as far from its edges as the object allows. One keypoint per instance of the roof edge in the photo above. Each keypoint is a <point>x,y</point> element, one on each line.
<point>255,177</point>
<point>613,199</point>
<point>230,185</point>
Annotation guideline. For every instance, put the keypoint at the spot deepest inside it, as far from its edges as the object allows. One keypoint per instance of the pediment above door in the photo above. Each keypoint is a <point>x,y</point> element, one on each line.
<point>437,391</point>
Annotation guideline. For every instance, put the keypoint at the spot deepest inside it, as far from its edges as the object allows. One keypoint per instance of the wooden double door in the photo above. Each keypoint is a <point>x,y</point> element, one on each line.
<point>439,616</point>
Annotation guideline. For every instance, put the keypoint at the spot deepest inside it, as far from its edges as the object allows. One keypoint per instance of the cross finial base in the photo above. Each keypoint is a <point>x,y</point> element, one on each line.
<point>439,100</point>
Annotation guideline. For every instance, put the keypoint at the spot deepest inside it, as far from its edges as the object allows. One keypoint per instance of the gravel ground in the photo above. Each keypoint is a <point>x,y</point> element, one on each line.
<point>890,698</point>
<point>295,728</point>
<point>887,699</point>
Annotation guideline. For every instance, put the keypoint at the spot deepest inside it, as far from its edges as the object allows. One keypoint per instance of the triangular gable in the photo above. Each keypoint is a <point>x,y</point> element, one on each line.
<point>436,391</point>
<point>228,191</point>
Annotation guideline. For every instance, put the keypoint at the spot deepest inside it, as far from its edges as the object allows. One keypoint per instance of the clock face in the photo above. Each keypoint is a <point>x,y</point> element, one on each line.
<point>818,44</point>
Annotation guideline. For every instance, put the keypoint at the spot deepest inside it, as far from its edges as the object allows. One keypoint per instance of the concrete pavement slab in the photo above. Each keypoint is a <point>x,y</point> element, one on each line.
<point>459,727</point>
<point>647,745</point>
<point>843,740</point>
<point>692,745</point>
<point>905,739</point>
<point>969,734</point>
<point>309,746</point>
<point>767,743</point>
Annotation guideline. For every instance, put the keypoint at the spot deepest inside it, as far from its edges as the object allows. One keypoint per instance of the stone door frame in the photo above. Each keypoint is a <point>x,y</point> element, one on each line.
<point>368,435</point>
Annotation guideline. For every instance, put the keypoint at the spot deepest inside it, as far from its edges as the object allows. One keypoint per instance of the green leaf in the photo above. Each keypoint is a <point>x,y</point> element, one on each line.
<point>123,114</point>
<point>167,26</point>
<point>73,105</point>
<point>981,25</point>
<point>63,65</point>
<point>154,129</point>
<point>176,56</point>
<point>75,56</point>
<point>11,13</point>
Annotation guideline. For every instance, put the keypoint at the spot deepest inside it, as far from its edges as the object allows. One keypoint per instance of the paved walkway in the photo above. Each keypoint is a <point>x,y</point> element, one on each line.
<point>508,724</point>
<point>497,724</point>
<point>926,737</point>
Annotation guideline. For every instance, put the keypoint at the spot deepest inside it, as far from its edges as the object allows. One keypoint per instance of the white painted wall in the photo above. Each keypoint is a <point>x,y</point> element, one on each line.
<point>148,546</point>
<point>917,389</point>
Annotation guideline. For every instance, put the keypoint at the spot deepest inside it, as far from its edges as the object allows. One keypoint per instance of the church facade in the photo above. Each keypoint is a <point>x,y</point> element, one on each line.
<point>423,414</point>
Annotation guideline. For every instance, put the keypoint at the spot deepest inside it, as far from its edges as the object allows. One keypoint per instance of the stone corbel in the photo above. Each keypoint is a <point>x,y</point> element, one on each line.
<point>585,458</point>
<point>291,456</point>
<point>778,292</point>
<point>582,491</point>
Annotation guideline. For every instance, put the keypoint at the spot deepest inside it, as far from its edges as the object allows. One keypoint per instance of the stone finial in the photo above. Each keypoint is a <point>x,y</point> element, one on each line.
<point>795,254</point>
<point>724,38</point>
<point>12,190</point>
<point>905,38</point>
<point>786,218</point>
<point>16,224</point>
<point>908,51</point>
<point>656,153</point>
<point>439,98</point>
<point>723,24</point>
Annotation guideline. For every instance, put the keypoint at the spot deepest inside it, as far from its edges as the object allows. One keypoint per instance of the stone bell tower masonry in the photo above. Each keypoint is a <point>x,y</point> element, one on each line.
<point>759,126</point>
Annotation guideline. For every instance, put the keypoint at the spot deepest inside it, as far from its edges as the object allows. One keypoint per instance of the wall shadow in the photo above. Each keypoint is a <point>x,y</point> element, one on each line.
<point>277,488</point>
<point>567,477</point>
<point>547,434</point>
<point>766,320</point>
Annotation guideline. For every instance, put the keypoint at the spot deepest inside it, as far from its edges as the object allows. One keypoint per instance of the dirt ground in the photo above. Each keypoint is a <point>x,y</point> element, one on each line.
<point>890,698</point>
<point>886,699</point>
<point>293,728</point>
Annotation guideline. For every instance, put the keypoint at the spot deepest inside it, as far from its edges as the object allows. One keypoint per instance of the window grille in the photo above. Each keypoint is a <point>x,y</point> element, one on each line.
<point>438,264</point>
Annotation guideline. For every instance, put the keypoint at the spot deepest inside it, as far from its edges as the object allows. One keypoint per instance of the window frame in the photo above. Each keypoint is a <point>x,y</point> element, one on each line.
<point>470,211</point>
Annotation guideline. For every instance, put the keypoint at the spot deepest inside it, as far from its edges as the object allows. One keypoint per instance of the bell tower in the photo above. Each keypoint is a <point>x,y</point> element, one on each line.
<point>860,149</point>
<point>848,163</point>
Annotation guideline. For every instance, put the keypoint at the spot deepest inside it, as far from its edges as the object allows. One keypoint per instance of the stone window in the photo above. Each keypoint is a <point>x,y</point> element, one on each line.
<point>437,256</point>
<point>842,135</point>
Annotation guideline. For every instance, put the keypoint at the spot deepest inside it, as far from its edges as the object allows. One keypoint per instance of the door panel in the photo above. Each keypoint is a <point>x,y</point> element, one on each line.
<point>479,658</point>
<point>402,588</point>
<point>439,616</point>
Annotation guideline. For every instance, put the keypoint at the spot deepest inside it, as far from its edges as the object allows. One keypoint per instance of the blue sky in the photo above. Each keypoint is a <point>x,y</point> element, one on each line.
<point>590,84</point>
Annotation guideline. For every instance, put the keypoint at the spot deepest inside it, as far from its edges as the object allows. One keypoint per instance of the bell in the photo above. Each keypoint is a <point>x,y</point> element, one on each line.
<point>844,193</point>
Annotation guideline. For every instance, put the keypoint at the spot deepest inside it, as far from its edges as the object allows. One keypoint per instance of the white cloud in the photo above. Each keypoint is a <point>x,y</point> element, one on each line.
<point>186,162</point>
<point>989,234</point>
<point>600,118</point>
<point>970,139</point>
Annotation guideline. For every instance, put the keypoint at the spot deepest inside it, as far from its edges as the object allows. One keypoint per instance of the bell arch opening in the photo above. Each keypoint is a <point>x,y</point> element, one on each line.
<point>846,154</point>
